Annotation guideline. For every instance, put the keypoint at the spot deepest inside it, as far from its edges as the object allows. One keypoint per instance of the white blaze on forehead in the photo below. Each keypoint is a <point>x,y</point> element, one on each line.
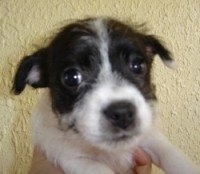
<point>99,26</point>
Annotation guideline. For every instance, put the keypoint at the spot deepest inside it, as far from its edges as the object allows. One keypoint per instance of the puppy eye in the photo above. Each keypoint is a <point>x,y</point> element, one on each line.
<point>138,66</point>
<point>71,77</point>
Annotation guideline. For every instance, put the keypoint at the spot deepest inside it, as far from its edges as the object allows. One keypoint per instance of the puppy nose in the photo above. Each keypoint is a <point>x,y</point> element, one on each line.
<point>120,114</point>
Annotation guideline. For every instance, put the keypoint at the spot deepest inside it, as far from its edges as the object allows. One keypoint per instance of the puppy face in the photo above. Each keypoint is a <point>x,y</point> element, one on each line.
<point>98,73</point>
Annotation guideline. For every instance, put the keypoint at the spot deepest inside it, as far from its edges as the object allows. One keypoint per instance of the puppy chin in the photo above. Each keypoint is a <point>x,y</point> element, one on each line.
<point>109,141</point>
<point>119,144</point>
<point>114,142</point>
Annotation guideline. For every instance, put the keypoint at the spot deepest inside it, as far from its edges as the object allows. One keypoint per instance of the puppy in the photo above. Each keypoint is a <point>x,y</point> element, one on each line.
<point>98,107</point>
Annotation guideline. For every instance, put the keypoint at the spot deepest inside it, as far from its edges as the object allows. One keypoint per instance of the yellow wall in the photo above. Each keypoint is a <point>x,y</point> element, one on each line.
<point>25,23</point>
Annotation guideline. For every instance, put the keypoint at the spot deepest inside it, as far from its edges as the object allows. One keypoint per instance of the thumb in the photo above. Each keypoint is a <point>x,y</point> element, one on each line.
<point>143,162</point>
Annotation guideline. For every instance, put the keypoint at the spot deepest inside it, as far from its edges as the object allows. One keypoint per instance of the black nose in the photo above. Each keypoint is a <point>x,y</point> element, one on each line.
<point>120,114</point>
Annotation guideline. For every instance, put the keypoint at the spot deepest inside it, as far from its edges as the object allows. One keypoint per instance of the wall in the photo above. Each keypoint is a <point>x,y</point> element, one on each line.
<point>26,23</point>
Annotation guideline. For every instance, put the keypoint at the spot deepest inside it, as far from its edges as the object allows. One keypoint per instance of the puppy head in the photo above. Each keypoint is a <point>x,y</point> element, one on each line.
<point>98,73</point>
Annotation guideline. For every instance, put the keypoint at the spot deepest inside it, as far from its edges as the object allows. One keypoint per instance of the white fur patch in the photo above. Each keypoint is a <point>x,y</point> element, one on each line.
<point>34,75</point>
<point>99,26</point>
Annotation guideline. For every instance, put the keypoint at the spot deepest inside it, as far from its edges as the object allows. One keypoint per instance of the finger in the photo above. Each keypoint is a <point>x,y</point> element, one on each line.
<point>141,158</point>
<point>142,162</point>
<point>40,164</point>
<point>146,169</point>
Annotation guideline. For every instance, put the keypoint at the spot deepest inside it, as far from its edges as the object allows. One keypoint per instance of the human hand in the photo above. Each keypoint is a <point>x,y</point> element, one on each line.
<point>40,164</point>
<point>143,162</point>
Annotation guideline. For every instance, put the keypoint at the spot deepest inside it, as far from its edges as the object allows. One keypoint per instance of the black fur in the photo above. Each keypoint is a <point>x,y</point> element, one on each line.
<point>39,59</point>
<point>69,49</point>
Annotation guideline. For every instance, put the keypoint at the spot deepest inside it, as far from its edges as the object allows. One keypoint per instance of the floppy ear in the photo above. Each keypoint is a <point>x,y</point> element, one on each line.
<point>32,70</point>
<point>155,47</point>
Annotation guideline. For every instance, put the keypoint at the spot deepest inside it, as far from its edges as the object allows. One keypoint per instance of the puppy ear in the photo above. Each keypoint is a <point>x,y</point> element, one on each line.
<point>32,70</point>
<point>155,47</point>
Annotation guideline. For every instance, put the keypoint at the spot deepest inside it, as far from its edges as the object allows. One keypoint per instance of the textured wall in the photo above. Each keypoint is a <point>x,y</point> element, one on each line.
<point>25,23</point>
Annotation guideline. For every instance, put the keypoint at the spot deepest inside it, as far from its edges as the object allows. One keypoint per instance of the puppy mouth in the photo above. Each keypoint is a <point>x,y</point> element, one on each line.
<point>121,138</point>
